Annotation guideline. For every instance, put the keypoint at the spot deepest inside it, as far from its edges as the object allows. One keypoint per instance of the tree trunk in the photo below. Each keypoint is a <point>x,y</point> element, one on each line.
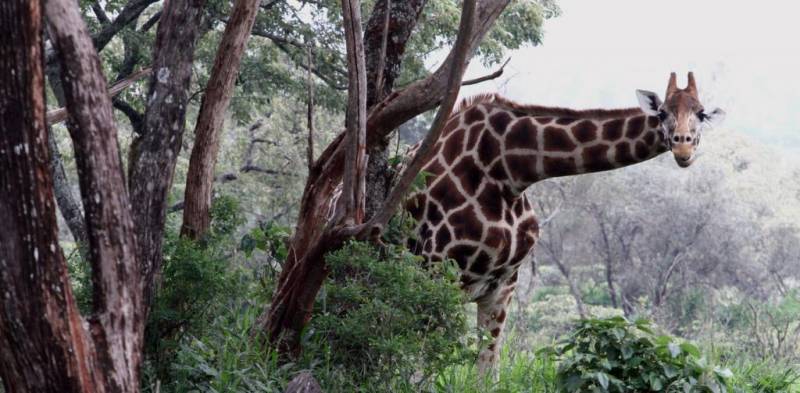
<point>154,154</point>
<point>117,324</point>
<point>305,270</point>
<point>385,41</point>
<point>67,204</point>
<point>573,288</point>
<point>47,346</point>
<point>200,178</point>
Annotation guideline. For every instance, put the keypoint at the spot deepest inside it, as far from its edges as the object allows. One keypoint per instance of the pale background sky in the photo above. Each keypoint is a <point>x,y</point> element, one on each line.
<point>745,56</point>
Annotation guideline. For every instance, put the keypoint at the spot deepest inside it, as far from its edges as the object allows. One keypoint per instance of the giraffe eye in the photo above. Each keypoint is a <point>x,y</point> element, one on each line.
<point>702,115</point>
<point>662,115</point>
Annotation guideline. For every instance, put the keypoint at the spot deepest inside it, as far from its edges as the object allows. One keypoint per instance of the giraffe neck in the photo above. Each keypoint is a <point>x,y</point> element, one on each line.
<point>543,143</point>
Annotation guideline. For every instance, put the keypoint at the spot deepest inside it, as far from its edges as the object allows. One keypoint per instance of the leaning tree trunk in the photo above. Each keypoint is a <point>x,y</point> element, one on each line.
<point>200,178</point>
<point>305,269</point>
<point>47,345</point>
<point>155,152</point>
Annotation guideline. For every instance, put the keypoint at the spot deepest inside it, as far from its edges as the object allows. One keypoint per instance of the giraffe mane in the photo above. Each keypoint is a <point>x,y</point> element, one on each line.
<point>542,111</point>
<point>468,102</point>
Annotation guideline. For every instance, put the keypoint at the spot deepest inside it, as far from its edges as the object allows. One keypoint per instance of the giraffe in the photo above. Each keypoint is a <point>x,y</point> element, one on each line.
<point>474,209</point>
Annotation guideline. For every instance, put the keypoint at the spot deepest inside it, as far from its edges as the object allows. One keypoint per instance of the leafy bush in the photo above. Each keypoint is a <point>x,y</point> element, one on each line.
<point>615,355</point>
<point>226,359</point>
<point>385,319</point>
<point>198,280</point>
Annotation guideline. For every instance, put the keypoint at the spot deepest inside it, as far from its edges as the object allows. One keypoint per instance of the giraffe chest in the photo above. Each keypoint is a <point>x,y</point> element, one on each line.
<point>488,238</point>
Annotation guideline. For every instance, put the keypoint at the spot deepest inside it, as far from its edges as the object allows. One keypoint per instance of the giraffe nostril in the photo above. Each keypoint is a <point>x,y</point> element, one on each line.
<point>689,138</point>
<point>676,139</point>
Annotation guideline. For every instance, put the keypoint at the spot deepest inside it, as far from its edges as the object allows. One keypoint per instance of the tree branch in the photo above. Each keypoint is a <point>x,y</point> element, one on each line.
<point>100,13</point>
<point>59,115</point>
<point>493,75</point>
<point>461,49</point>
<point>310,110</point>
<point>351,204</point>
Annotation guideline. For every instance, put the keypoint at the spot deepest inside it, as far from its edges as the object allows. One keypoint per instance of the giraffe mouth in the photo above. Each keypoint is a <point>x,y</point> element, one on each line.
<point>684,162</point>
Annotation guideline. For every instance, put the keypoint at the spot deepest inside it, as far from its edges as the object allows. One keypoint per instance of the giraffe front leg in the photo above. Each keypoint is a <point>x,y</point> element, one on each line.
<point>492,312</point>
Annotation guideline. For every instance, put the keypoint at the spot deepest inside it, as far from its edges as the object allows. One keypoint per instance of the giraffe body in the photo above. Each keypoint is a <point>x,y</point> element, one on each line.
<point>473,208</point>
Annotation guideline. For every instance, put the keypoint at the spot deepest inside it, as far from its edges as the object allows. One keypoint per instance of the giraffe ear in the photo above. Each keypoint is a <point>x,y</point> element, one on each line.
<point>712,118</point>
<point>649,102</point>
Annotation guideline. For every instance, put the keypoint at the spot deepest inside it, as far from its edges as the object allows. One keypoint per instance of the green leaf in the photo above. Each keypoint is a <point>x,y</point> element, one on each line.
<point>602,379</point>
<point>690,349</point>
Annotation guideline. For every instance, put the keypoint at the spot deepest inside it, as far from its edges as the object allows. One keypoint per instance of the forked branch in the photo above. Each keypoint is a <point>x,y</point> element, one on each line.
<point>375,226</point>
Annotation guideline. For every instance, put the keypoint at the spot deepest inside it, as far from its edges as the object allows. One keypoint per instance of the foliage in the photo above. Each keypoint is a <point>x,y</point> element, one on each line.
<point>226,359</point>
<point>198,279</point>
<point>615,355</point>
<point>385,318</point>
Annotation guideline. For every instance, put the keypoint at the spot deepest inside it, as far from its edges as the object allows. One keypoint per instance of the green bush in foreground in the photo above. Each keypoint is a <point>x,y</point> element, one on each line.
<point>615,355</point>
<point>384,318</point>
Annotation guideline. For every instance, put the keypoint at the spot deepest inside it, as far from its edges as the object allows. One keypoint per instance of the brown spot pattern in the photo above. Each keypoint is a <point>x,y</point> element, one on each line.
<point>555,167</point>
<point>595,159</point>
<point>474,132</point>
<point>635,127</point>
<point>473,115</point>
<point>491,202</point>
<point>454,146</point>
<point>466,224</point>
<point>522,168</point>
<point>612,130</point>
<point>557,139</point>
<point>499,121</point>
<point>522,135</point>
<point>469,174</point>
<point>585,131</point>
<point>446,193</point>
<point>488,148</point>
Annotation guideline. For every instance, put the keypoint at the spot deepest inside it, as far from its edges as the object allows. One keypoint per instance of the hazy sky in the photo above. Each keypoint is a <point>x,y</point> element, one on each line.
<point>745,55</point>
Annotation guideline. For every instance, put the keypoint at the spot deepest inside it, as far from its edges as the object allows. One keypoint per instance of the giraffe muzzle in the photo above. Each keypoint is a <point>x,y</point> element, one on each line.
<point>683,153</point>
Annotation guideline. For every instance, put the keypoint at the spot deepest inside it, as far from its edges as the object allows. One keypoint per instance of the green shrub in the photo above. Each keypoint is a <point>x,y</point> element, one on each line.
<point>198,280</point>
<point>384,319</point>
<point>226,359</point>
<point>615,355</point>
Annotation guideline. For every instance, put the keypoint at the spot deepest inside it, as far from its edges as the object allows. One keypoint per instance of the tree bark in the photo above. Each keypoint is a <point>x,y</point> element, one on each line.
<point>154,154</point>
<point>47,346</point>
<point>387,32</point>
<point>70,208</point>
<point>351,204</point>
<point>302,276</point>
<point>117,323</point>
<point>200,178</point>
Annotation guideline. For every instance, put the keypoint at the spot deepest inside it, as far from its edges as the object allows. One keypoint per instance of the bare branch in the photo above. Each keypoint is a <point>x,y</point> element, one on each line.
<point>310,111</point>
<point>100,13</point>
<point>493,75</point>
<point>150,22</point>
<point>56,116</point>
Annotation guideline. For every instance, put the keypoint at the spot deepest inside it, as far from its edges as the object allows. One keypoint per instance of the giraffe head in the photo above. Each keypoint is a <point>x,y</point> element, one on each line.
<point>681,116</point>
